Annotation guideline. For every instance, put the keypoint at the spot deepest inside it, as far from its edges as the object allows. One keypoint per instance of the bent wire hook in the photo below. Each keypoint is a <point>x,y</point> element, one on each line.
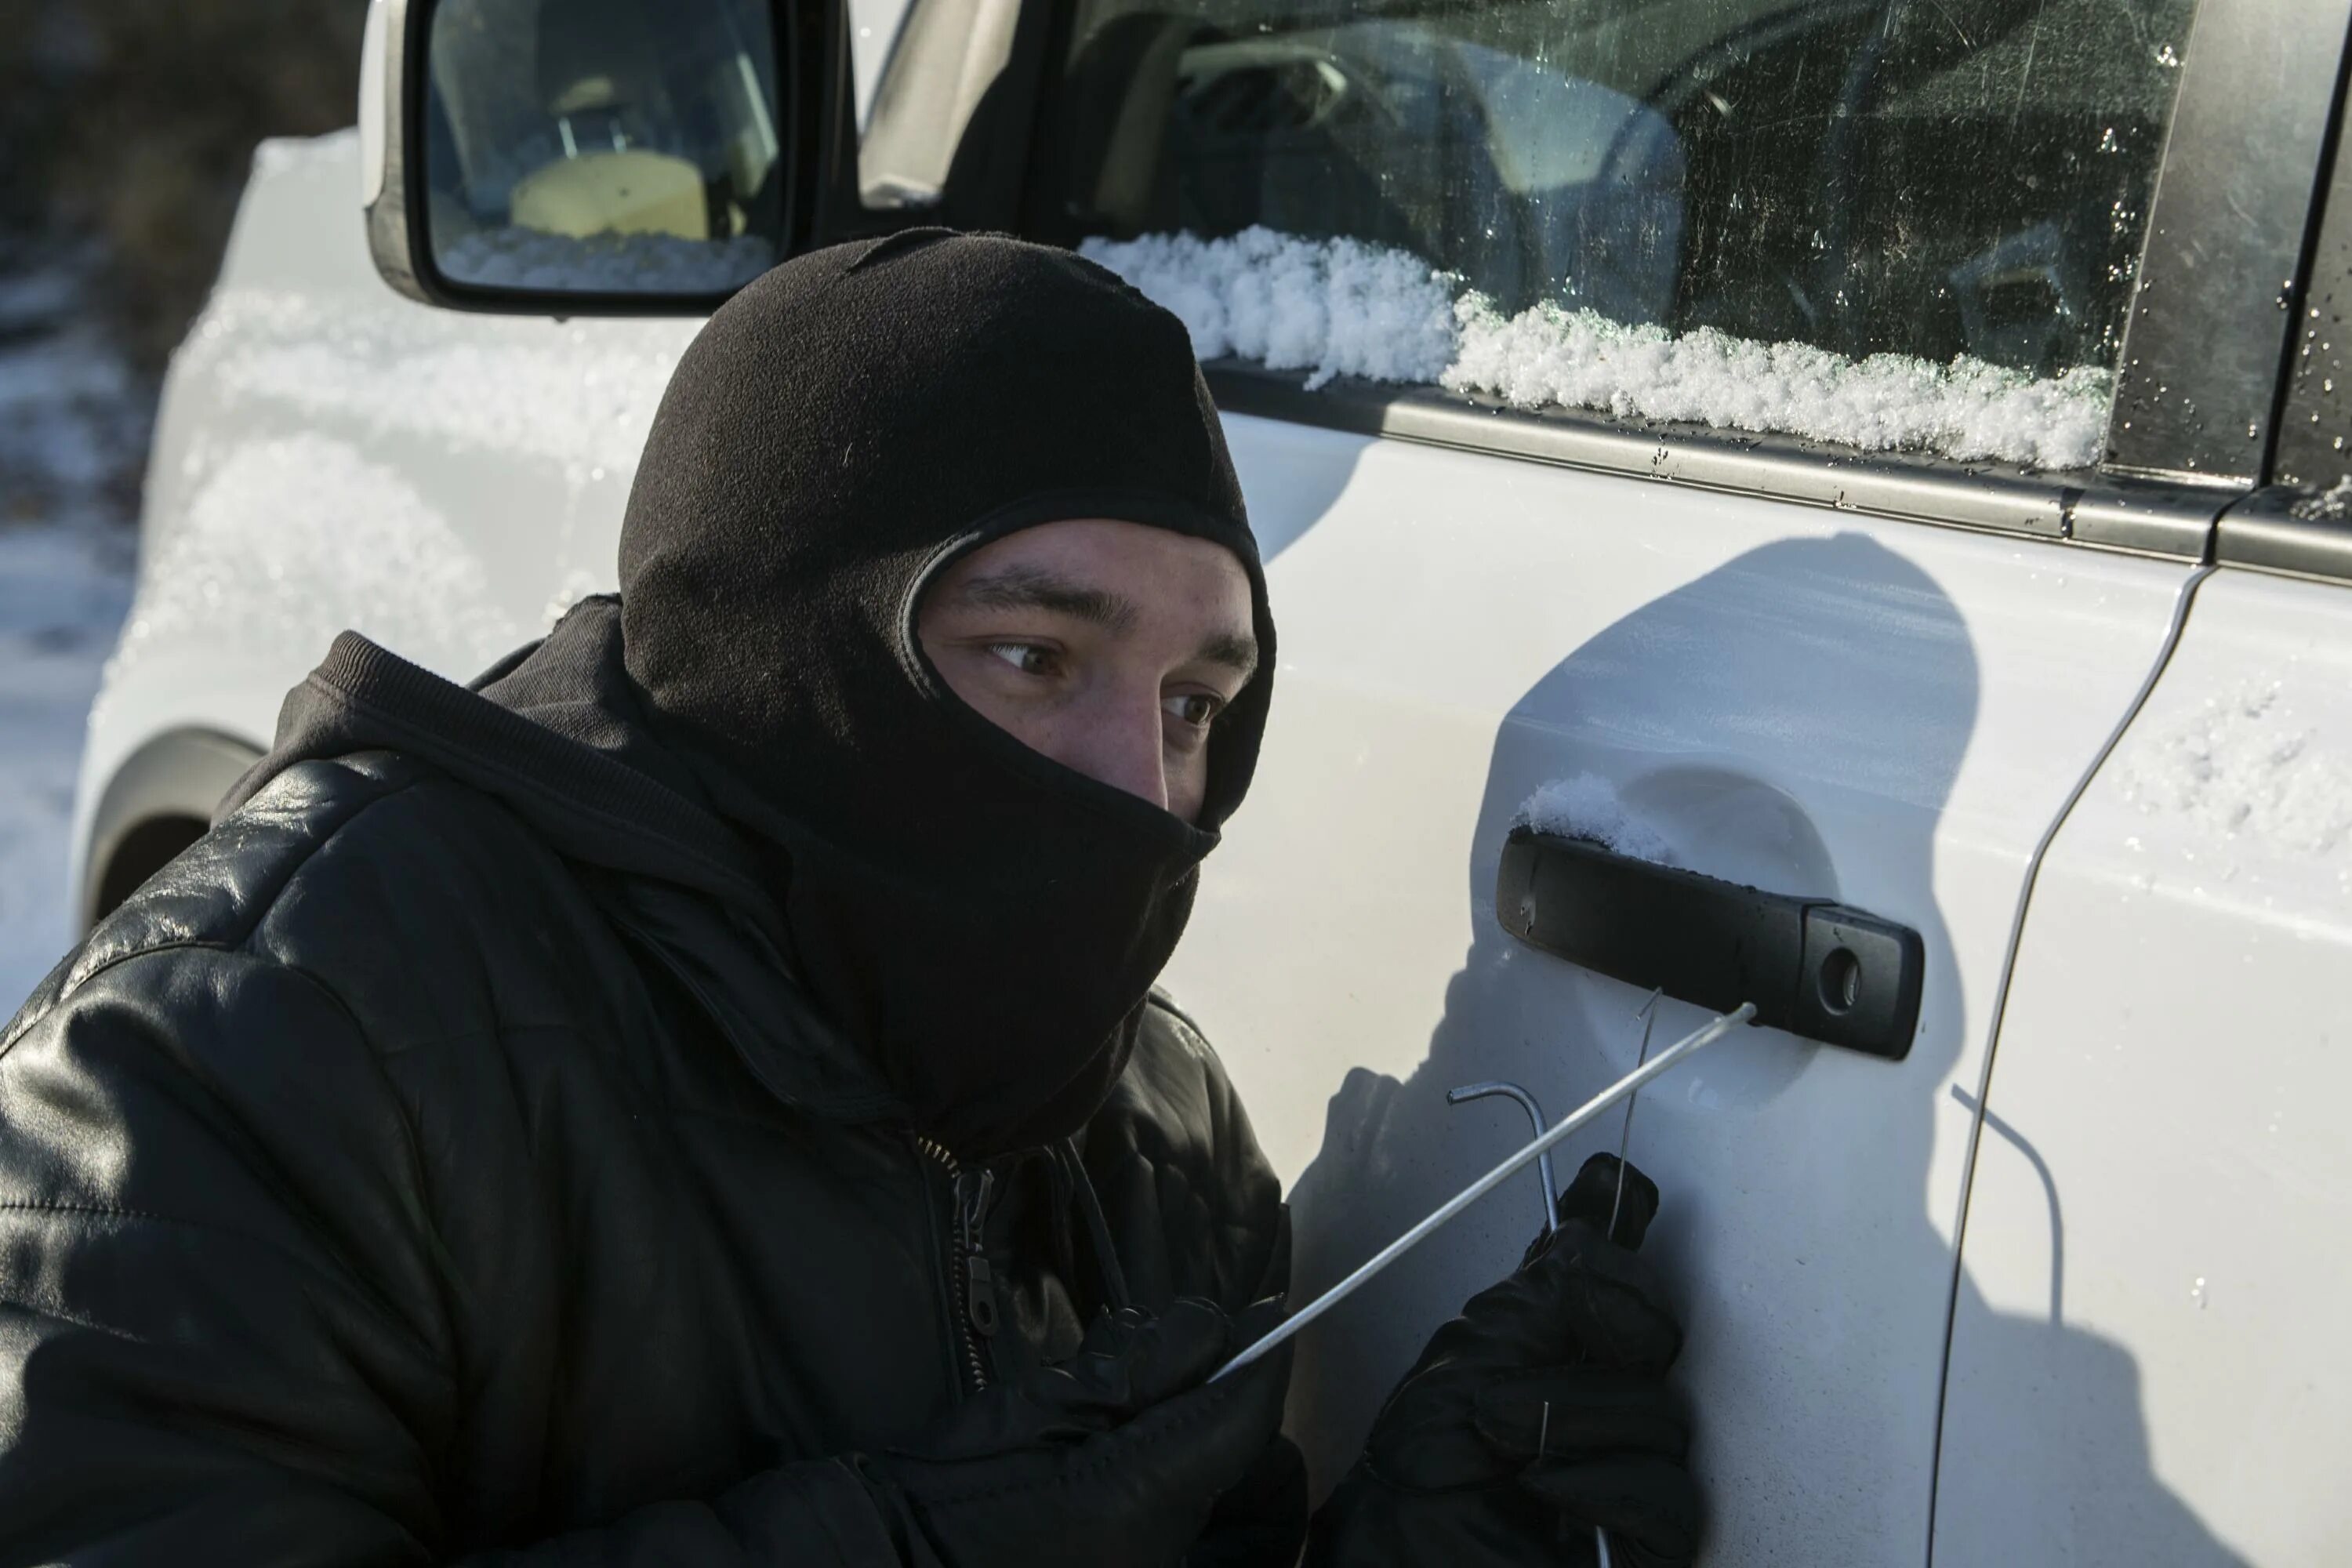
<point>1698,1040</point>
<point>1470,1091</point>
<point>1604,1558</point>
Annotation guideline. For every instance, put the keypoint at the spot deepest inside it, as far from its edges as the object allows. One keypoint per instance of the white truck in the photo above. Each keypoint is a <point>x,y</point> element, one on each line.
<point>1832,500</point>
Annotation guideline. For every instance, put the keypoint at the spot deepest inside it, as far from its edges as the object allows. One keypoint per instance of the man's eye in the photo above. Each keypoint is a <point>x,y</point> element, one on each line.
<point>1194,708</point>
<point>1028,658</point>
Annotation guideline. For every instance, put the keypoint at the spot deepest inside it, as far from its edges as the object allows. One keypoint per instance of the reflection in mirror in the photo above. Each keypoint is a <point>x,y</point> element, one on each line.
<point>603,146</point>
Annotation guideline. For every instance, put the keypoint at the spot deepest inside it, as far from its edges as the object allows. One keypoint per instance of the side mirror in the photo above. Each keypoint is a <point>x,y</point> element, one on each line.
<point>576,157</point>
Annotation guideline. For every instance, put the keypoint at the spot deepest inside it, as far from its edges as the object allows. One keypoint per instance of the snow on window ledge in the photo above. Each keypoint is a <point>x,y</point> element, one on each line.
<point>1342,307</point>
<point>1331,307</point>
<point>2333,505</point>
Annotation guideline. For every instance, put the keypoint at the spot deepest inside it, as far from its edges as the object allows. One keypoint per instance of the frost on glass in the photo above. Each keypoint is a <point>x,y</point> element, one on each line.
<point>1909,227</point>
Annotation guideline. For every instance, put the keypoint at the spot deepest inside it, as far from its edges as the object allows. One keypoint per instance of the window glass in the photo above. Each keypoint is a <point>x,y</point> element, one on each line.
<point>604,145</point>
<point>1711,210</point>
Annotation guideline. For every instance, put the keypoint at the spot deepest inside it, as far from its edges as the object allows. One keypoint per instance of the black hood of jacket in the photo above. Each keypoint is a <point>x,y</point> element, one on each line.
<point>555,733</point>
<point>982,919</point>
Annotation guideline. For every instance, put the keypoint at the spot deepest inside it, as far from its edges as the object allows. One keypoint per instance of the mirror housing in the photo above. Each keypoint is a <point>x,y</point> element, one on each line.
<point>383,180</point>
<point>603,157</point>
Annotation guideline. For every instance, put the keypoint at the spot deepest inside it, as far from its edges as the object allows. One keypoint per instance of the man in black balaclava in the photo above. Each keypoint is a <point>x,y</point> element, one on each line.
<point>984,920</point>
<point>696,1095</point>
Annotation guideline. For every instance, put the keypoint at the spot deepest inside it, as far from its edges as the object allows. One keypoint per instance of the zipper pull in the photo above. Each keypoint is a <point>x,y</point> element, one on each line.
<point>980,1291</point>
<point>979,1279</point>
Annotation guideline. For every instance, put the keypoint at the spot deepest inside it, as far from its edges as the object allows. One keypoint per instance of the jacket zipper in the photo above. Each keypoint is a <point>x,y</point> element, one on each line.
<point>972,1280</point>
<point>968,1267</point>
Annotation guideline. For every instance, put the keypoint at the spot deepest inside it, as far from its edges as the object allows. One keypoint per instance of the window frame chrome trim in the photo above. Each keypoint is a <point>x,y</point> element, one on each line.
<point>2261,534</point>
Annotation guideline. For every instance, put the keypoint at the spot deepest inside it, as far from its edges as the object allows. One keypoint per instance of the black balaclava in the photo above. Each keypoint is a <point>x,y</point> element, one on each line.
<point>985,922</point>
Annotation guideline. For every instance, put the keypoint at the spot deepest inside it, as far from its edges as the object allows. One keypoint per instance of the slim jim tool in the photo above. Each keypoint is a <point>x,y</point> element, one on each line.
<point>1698,1040</point>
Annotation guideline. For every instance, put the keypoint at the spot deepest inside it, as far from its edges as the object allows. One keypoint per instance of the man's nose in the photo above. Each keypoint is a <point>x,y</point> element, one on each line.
<point>1122,746</point>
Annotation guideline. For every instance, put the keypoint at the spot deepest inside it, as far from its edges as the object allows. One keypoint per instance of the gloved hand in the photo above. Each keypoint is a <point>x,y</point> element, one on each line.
<point>1539,1413</point>
<point>1116,1456</point>
<point>1262,1521</point>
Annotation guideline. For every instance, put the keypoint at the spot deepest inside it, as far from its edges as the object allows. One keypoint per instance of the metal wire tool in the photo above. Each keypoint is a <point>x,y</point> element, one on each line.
<point>1582,1116</point>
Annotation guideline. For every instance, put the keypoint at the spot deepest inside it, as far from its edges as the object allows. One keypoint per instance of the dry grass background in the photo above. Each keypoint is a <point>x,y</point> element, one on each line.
<point>127,128</point>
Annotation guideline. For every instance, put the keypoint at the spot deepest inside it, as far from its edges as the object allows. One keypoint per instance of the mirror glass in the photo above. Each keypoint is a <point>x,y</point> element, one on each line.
<point>603,146</point>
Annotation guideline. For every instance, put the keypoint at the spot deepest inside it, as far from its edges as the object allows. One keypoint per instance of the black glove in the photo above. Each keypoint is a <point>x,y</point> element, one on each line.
<point>1539,1414</point>
<point>1262,1521</point>
<point>1117,1456</point>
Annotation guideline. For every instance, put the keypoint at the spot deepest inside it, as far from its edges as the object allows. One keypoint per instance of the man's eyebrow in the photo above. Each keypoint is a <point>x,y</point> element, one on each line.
<point>1237,651</point>
<point>1034,588</point>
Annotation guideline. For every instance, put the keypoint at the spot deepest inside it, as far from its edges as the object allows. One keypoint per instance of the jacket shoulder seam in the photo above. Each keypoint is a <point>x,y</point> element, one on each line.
<point>24,1022</point>
<point>254,917</point>
<point>1187,1029</point>
<point>360,1034</point>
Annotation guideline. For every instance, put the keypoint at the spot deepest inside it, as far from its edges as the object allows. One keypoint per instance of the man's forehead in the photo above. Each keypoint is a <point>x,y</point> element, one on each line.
<point>1020,585</point>
<point>1070,589</point>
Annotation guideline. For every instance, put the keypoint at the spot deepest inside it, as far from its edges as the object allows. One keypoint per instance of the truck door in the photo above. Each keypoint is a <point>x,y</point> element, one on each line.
<point>2140,1370</point>
<point>1648,253</point>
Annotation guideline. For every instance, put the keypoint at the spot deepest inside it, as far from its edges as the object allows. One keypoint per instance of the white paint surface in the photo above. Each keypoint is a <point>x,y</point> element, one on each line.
<point>1793,697</point>
<point>331,454</point>
<point>2148,1364</point>
<point>256,552</point>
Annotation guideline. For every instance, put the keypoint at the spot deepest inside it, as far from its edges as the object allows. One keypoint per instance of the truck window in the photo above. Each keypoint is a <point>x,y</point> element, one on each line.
<point>1635,205</point>
<point>602,145</point>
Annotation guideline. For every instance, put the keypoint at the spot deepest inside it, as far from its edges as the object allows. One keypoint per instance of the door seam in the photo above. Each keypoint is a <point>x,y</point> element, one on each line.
<point>2180,621</point>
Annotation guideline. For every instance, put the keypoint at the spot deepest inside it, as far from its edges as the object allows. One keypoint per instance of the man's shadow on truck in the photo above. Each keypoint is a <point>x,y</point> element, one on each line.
<point>1796,1231</point>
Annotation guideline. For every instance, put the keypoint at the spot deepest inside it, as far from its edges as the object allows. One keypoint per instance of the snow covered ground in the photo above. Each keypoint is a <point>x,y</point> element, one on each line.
<point>72,423</point>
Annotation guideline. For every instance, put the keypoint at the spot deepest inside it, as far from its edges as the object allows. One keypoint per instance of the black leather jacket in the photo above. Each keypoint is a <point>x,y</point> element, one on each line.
<point>399,1177</point>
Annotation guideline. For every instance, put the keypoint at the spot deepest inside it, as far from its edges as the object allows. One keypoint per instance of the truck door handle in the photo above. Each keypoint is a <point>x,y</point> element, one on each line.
<point>1812,966</point>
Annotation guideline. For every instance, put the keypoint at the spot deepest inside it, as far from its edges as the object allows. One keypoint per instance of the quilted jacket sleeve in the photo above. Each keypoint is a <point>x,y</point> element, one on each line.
<point>222,1325</point>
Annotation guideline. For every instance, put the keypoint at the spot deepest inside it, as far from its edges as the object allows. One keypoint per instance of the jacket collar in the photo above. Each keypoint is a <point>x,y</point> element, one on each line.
<point>556,733</point>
